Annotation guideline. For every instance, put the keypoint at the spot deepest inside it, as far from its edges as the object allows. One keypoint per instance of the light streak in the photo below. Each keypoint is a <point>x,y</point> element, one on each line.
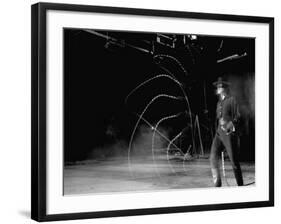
<point>149,80</point>
<point>187,104</point>
<point>137,123</point>
<point>184,158</point>
<point>173,58</point>
<point>168,149</point>
<point>153,137</point>
<point>158,132</point>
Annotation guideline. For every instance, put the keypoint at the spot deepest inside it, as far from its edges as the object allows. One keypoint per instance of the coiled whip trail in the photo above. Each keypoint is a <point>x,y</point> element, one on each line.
<point>186,101</point>
<point>168,149</point>
<point>153,137</point>
<point>137,123</point>
<point>173,58</point>
<point>158,132</point>
<point>181,88</point>
<point>149,80</point>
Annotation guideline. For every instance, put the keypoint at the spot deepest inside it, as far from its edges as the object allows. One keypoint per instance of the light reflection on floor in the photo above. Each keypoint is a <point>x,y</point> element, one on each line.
<point>112,175</point>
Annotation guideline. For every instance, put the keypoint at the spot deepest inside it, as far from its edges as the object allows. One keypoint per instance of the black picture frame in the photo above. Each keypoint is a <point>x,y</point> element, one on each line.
<point>39,122</point>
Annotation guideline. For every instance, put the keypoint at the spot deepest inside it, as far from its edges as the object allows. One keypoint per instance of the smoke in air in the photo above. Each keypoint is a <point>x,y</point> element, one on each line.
<point>142,145</point>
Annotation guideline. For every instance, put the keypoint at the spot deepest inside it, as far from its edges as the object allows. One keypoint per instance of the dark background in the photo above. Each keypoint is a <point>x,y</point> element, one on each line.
<point>99,74</point>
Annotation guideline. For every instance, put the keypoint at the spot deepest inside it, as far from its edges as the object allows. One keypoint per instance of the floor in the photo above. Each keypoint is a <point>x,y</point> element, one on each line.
<point>145,174</point>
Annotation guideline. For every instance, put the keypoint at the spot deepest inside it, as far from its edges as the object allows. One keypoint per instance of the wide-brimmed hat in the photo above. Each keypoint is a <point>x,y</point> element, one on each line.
<point>221,83</point>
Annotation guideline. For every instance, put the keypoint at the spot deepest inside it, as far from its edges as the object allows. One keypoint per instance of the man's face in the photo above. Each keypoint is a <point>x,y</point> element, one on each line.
<point>219,90</point>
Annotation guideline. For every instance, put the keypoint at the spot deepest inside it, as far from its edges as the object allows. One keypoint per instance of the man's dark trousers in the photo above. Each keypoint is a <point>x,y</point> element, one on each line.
<point>230,143</point>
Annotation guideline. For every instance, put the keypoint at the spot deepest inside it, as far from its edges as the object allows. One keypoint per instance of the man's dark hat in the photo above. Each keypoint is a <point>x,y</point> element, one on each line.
<point>221,82</point>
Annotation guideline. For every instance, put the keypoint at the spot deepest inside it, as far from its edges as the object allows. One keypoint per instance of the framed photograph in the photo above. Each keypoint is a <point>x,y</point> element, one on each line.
<point>139,111</point>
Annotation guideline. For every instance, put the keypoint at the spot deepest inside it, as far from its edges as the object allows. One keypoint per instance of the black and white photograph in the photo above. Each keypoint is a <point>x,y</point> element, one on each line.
<point>139,111</point>
<point>149,111</point>
<point>134,112</point>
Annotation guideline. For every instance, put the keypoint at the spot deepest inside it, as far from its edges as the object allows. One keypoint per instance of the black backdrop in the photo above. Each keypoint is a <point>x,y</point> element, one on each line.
<point>98,76</point>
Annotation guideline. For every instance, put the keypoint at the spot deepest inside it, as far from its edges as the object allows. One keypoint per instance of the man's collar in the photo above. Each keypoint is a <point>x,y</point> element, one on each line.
<point>226,96</point>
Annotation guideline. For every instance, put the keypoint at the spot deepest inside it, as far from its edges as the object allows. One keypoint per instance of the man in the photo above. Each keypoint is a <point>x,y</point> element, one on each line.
<point>226,133</point>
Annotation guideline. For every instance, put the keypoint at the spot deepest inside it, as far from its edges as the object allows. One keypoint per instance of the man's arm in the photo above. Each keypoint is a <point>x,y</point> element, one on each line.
<point>235,112</point>
<point>231,126</point>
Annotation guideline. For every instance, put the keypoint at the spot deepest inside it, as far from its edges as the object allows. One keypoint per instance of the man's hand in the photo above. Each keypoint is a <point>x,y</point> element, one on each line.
<point>229,128</point>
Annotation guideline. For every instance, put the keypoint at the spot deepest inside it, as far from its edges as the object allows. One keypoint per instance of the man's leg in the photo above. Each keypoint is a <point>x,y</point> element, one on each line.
<point>231,145</point>
<point>214,160</point>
